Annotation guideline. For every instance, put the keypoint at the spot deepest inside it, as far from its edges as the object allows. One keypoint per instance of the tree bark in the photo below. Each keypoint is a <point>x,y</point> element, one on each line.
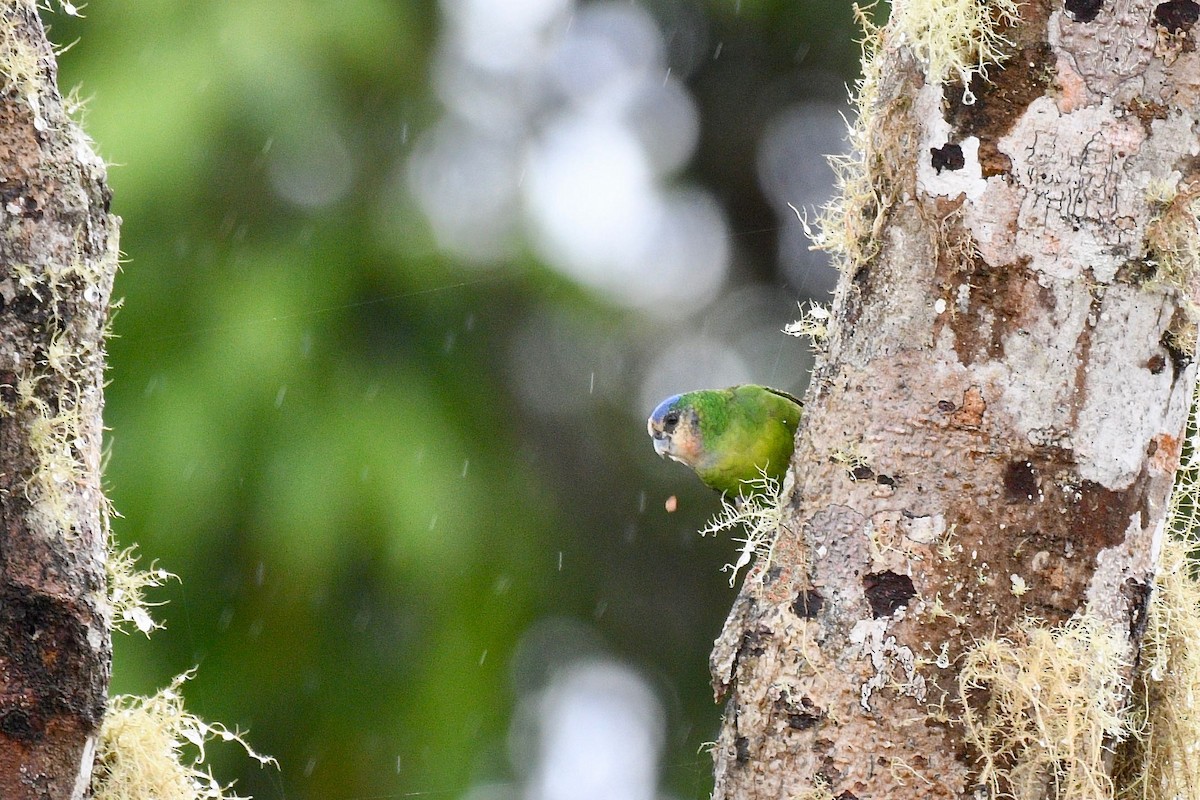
<point>991,437</point>
<point>58,256</point>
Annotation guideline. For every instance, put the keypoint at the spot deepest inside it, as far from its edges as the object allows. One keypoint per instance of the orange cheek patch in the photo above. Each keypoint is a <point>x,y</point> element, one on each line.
<point>687,446</point>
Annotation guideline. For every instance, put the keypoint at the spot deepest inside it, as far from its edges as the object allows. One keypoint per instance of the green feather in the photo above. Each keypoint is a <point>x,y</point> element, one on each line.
<point>745,432</point>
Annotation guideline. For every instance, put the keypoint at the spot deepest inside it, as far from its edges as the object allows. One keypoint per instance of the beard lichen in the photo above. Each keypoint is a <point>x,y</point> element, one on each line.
<point>955,38</point>
<point>151,748</point>
<point>1043,707</point>
<point>758,513</point>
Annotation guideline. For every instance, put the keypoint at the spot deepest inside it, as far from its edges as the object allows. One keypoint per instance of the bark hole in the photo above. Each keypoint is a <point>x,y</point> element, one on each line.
<point>949,156</point>
<point>1083,10</point>
<point>886,592</point>
<point>742,745</point>
<point>1020,481</point>
<point>1177,16</point>
<point>801,716</point>
<point>808,603</point>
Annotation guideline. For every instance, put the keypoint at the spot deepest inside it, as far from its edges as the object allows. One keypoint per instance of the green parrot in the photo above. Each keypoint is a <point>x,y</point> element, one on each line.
<point>728,436</point>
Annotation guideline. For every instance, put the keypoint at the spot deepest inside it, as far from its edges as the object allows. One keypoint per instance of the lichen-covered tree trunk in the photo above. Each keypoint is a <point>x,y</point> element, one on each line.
<point>58,256</point>
<point>984,467</point>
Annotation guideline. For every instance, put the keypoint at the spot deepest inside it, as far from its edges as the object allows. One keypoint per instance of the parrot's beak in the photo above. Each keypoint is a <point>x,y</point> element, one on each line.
<point>662,445</point>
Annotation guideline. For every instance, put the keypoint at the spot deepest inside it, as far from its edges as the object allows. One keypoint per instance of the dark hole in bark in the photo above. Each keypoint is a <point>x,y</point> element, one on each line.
<point>1138,594</point>
<point>885,480</point>
<point>862,473</point>
<point>1083,10</point>
<point>802,715</point>
<point>1180,359</point>
<point>17,724</point>
<point>1177,16</point>
<point>946,406</point>
<point>1020,481</point>
<point>808,603</point>
<point>948,156</point>
<point>1156,363</point>
<point>742,745</point>
<point>861,275</point>
<point>886,592</point>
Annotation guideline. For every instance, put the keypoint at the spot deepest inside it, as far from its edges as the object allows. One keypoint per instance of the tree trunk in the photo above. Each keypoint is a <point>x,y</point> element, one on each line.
<point>989,444</point>
<point>58,256</point>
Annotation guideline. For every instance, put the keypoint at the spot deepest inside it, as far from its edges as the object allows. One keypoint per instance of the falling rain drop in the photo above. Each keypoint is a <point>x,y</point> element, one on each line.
<point>282,393</point>
<point>466,466</point>
<point>592,384</point>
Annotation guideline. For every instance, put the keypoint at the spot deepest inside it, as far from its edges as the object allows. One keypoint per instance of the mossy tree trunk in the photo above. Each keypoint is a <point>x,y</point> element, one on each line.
<point>58,256</point>
<point>990,440</point>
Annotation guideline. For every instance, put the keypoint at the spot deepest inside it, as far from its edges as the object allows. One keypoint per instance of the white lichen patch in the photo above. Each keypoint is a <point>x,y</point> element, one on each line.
<point>1074,199</point>
<point>935,134</point>
<point>1042,393</point>
<point>1124,404</point>
<point>895,665</point>
<point>923,530</point>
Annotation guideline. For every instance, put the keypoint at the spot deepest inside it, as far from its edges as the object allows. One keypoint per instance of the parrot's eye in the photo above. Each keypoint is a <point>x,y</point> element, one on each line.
<point>671,420</point>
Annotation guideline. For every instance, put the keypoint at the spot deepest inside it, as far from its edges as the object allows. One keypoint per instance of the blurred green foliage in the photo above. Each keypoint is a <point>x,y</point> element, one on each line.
<point>313,413</point>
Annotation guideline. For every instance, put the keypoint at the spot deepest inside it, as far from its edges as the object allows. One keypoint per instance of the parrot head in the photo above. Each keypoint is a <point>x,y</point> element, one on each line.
<point>675,427</point>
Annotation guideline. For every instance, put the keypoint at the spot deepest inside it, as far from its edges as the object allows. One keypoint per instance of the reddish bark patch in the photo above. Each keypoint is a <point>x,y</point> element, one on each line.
<point>47,667</point>
<point>1104,515</point>
<point>1164,452</point>
<point>970,413</point>
<point>1001,298</point>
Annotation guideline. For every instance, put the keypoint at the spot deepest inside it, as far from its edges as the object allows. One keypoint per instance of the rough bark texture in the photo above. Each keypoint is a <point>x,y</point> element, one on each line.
<point>58,255</point>
<point>994,429</point>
